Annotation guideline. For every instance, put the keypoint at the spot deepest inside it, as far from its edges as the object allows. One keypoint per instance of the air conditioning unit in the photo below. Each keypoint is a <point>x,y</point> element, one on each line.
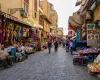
<point>24,14</point>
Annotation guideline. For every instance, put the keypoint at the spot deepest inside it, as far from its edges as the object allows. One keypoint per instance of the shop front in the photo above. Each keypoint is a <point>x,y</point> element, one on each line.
<point>97,25</point>
<point>13,30</point>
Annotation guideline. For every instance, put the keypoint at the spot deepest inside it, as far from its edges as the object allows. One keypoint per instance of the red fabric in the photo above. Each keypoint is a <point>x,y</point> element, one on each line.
<point>3,30</point>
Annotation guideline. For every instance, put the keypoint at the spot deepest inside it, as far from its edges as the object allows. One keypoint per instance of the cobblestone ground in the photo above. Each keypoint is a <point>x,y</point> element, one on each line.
<point>44,66</point>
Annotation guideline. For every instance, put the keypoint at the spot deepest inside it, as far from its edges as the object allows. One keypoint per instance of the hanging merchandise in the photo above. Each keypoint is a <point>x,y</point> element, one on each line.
<point>30,33</point>
<point>35,35</point>
<point>27,32</point>
<point>7,29</point>
<point>20,30</point>
<point>42,33</point>
<point>11,29</point>
<point>0,28</point>
<point>3,29</point>
<point>24,32</point>
<point>14,33</point>
<point>36,30</point>
<point>18,33</point>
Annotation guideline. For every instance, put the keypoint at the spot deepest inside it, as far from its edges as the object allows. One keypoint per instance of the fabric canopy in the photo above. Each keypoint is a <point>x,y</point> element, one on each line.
<point>72,21</point>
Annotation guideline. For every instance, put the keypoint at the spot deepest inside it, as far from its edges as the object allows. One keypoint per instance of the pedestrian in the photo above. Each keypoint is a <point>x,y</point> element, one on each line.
<point>67,46</point>
<point>56,46</point>
<point>49,46</point>
<point>63,44</point>
<point>71,46</point>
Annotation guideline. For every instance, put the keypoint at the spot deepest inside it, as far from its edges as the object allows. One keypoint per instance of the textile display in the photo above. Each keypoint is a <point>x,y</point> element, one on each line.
<point>0,28</point>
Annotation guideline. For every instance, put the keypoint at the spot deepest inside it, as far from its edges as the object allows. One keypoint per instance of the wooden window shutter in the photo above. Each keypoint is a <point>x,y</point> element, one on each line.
<point>35,5</point>
<point>27,1</point>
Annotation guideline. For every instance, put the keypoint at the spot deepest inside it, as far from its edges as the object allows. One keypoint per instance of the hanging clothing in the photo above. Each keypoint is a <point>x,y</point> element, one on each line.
<point>0,28</point>
<point>24,32</point>
<point>3,29</point>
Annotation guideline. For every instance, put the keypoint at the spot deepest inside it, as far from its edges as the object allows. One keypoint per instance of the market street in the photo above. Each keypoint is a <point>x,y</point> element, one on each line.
<point>44,66</point>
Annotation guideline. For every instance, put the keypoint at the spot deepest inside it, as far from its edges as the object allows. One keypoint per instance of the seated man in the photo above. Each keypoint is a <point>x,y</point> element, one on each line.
<point>23,51</point>
<point>5,58</point>
<point>18,53</point>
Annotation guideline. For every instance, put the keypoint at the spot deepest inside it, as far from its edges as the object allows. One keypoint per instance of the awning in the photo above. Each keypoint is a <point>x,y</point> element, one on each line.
<point>78,2</point>
<point>46,18</point>
<point>40,26</point>
<point>72,21</point>
<point>86,5</point>
<point>8,16</point>
<point>97,22</point>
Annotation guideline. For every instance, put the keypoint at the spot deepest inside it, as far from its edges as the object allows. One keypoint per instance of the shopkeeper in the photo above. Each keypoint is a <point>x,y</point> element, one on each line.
<point>4,57</point>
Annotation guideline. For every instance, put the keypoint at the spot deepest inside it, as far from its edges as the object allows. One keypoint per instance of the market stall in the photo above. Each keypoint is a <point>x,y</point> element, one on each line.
<point>95,66</point>
<point>91,53</point>
<point>84,56</point>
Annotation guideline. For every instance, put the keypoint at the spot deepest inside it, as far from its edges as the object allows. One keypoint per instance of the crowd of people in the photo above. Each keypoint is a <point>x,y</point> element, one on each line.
<point>67,44</point>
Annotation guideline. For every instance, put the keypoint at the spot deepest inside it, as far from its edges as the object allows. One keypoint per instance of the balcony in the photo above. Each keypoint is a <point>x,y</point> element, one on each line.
<point>46,18</point>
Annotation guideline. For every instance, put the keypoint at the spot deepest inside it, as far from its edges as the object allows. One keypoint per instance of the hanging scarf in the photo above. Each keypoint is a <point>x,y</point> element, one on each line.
<point>19,33</point>
<point>28,32</point>
<point>0,28</point>
<point>24,32</point>
<point>3,29</point>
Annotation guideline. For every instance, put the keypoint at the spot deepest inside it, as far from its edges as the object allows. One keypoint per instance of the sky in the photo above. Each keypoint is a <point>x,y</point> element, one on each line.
<point>64,8</point>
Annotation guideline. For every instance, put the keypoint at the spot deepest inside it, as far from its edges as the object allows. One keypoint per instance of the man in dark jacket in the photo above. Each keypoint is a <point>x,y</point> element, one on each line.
<point>49,46</point>
<point>56,45</point>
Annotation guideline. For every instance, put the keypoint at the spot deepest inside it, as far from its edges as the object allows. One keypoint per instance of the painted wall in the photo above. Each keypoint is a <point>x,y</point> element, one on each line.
<point>6,5</point>
<point>46,11</point>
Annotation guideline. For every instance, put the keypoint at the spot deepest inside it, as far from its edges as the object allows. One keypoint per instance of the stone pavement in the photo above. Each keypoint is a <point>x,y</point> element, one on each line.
<point>44,66</point>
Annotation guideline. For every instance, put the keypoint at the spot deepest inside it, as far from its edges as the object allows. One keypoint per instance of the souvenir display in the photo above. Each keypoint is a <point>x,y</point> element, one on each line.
<point>95,66</point>
<point>0,29</point>
<point>89,50</point>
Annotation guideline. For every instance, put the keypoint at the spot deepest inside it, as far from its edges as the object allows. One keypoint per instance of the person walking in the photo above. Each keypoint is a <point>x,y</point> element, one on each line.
<point>71,46</point>
<point>49,46</point>
<point>67,46</point>
<point>56,46</point>
<point>63,44</point>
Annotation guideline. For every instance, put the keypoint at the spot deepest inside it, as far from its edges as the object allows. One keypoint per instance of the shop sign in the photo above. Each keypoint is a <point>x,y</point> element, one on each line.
<point>78,32</point>
<point>30,22</point>
<point>91,34</point>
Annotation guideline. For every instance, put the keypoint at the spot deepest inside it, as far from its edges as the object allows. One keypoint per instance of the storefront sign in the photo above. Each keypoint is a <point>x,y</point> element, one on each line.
<point>30,22</point>
<point>78,32</point>
<point>91,34</point>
